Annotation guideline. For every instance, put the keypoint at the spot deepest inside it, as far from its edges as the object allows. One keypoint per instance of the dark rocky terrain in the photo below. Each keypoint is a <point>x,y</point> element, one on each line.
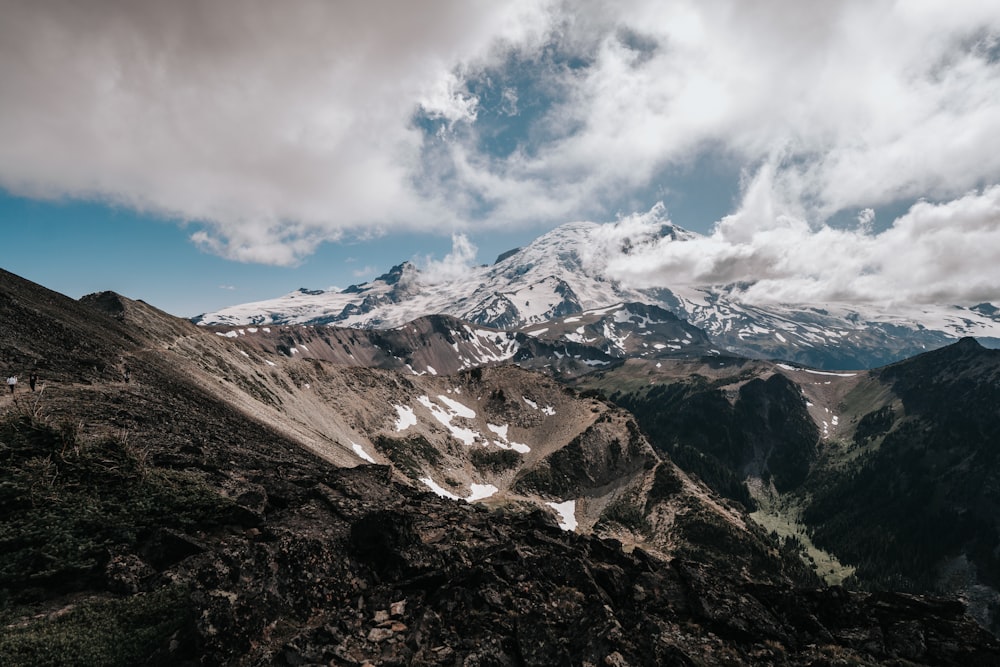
<point>893,471</point>
<point>197,510</point>
<point>316,565</point>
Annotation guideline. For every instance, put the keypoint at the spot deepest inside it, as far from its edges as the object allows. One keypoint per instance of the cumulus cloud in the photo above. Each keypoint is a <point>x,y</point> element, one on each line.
<point>935,253</point>
<point>453,267</point>
<point>276,128</point>
<point>854,104</point>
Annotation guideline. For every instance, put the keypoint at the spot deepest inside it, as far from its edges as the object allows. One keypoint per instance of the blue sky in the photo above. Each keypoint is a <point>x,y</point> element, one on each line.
<point>77,248</point>
<point>197,155</point>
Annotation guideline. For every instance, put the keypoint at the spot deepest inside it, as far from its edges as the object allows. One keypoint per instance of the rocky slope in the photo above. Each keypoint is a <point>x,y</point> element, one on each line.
<point>171,496</point>
<point>316,565</point>
<point>891,471</point>
<point>494,434</point>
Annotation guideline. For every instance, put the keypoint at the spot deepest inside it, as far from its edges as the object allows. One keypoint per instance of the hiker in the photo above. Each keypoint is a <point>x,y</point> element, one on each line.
<point>12,382</point>
<point>32,379</point>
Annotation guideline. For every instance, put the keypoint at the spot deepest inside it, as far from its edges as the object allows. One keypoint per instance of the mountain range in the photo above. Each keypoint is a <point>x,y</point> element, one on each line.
<point>602,486</point>
<point>564,273</point>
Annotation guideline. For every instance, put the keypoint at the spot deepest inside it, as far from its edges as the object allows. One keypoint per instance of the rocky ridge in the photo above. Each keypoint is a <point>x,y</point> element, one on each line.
<point>199,507</point>
<point>891,471</point>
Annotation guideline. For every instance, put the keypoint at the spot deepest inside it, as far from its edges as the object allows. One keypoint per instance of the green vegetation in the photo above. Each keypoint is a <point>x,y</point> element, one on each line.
<point>408,454</point>
<point>931,489</point>
<point>781,520</point>
<point>872,425</point>
<point>702,431</point>
<point>692,425</point>
<point>65,507</point>
<point>495,460</point>
<point>98,632</point>
<point>930,513</point>
<point>626,514</point>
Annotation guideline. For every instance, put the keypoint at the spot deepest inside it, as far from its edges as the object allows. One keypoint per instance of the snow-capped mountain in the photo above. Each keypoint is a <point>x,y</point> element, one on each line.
<point>564,273</point>
<point>549,278</point>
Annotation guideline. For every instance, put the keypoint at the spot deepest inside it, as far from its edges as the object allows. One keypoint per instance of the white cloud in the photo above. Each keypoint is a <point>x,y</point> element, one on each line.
<point>866,219</point>
<point>453,267</point>
<point>935,253</point>
<point>447,100</point>
<point>855,104</point>
<point>367,270</point>
<point>279,128</point>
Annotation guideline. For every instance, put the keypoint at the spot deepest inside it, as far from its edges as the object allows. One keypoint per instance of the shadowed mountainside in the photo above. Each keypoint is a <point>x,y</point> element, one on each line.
<point>199,514</point>
<point>893,471</point>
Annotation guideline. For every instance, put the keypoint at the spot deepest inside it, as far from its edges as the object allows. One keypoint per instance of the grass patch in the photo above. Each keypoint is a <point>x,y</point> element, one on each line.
<point>408,454</point>
<point>98,632</point>
<point>65,506</point>
<point>495,460</point>
<point>625,514</point>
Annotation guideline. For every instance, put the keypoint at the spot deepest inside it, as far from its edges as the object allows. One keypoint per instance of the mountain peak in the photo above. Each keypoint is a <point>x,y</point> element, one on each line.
<point>968,343</point>
<point>396,273</point>
<point>504,255</point>
<point>568,270</point>
<point>111,303</point>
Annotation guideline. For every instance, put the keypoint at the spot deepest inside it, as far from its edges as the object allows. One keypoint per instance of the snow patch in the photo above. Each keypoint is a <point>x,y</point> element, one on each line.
<point>459,409</point>
<point>433,486</point>
<point>477,491</point>
<point>466,435</point>
<point>814,372</point>
<point>406,417</point>
<point>504,442</point>
<point>360,451</point>
<point>567,514</point>
<point>480,491</point>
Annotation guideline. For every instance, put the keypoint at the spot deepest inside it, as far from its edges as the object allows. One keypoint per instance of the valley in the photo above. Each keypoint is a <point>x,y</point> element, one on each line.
<point>444,491</point>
